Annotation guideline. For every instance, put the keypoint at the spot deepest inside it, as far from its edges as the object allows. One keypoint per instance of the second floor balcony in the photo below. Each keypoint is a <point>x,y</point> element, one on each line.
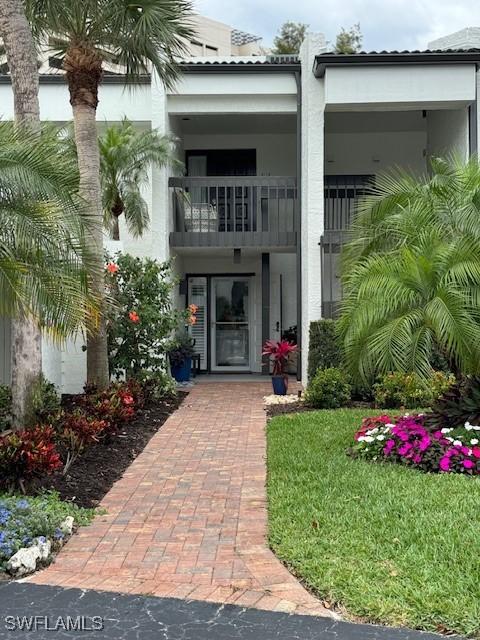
<point>234,211</point>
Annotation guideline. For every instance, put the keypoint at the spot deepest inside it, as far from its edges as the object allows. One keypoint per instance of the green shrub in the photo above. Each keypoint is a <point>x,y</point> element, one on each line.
<point>324,348</point>
<point>329,389</point>
<point>5,407</point>
<point>45,401</point>
<point>143,317</point>
<point>156,385</point>
<point>408,390</point>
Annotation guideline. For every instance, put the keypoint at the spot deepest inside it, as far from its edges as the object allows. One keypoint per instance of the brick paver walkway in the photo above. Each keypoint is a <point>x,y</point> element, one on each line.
<point>188,519</point>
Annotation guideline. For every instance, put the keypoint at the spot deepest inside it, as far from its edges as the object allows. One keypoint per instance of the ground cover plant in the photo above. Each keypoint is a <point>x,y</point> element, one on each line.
<point>25,519</point>
<point>383,542</point>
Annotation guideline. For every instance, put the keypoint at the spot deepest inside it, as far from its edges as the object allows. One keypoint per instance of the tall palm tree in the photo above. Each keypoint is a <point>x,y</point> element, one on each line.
<point>21,60</point>
<point>126,154</point>
<point>87,36</point>
<point>44,257</point>
<point>411,273</point>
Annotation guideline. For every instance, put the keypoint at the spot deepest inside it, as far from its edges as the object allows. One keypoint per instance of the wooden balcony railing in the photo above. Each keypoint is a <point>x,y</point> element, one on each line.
<point>234,211</point>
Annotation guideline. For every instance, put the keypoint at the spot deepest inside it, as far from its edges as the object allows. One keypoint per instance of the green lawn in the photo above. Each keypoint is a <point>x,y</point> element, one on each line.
<point>384,543</point>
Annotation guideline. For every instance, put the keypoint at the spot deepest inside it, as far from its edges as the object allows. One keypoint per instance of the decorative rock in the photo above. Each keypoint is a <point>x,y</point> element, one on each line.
<point>44,546</point>
<point>24,561</point>
<point>66,527</point>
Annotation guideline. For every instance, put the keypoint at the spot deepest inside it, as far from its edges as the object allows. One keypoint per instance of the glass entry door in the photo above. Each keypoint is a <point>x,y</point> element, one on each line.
<point>231,317</point>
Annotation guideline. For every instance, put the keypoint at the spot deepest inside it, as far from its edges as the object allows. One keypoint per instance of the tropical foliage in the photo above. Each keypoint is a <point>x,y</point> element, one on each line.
<point>278,353</point>
<point>126,155</point>
<point>411,274</point>
<point>89,37</point>
<point>44,260</point>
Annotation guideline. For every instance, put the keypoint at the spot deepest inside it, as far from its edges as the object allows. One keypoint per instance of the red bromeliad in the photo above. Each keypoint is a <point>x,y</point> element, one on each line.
<point>279,352</point>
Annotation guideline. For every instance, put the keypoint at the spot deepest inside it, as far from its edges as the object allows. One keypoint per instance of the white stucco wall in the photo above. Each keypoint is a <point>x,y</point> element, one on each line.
<point>313,113</point>
<point>394,86</point>
<point>448,133</point>
<point>372,152</point>
<point>115,102</point>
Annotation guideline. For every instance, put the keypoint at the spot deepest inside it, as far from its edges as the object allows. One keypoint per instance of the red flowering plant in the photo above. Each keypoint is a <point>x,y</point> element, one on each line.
<point>278,353</point>
<point>27,454</point>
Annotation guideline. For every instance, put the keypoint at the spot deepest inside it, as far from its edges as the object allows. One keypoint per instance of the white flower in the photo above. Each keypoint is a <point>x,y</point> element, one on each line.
<point>468,426</point>
<point>445,430</point>
<point>390,426</point>
<point>457,443</point>
<point>360,438</point>
<point>381,437</point>
<point>369,439</point>
<point>449,439</point>
<point>474,441</point>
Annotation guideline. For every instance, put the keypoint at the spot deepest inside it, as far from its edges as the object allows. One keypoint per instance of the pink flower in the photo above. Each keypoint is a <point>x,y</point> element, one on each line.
<point>444,464</point>
<point>468,464</point>
<point>111,267</point>
<point>404,449</point>
<point>476,452</point>
<point>389,445</point>
<point>134,317</point>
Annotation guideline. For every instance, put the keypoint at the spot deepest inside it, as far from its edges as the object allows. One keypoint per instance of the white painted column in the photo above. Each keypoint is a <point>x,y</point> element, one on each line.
<point>160,209</point>
<point>313,108</point>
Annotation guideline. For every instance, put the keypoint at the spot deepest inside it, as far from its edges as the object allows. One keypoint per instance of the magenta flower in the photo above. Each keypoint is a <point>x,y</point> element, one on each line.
<point>389,446</point>
<point>468,464</point>
<point>444,464</point>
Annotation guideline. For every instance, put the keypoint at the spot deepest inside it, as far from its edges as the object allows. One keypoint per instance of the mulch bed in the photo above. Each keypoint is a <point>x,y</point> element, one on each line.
<point>300,407</point>
<point>95,471</point>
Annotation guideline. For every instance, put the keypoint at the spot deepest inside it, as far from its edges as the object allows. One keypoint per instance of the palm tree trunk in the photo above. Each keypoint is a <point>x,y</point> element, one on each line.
<point>115,228</point>
<point>86,139</point>
<point>22,61</point>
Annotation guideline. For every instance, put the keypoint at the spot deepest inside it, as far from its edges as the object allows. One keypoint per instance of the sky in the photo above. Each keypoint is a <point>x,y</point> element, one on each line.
<point>385,24</point>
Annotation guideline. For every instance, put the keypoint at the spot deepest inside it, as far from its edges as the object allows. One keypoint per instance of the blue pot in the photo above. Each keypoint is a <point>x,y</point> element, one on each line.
<point>279,385</point>
<point>181,372</point>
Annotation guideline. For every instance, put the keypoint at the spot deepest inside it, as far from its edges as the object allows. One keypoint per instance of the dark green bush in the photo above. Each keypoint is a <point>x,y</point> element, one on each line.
<point>324,347</point>
<point>329,389</point>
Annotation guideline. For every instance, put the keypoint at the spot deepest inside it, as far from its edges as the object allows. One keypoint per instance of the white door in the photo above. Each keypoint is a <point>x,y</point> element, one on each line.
<point>231,324</point>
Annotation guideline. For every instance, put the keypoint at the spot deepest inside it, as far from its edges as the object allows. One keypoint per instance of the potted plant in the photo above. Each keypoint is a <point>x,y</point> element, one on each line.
<point>279,353</point>
<point>180,356</point>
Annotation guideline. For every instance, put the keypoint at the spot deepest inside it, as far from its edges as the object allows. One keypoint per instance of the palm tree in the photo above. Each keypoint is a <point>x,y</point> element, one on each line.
<point>19,51</point>
<point>44,259</point>
<point>125,157</point>
<point>87,36</point>
<point>411,274</point>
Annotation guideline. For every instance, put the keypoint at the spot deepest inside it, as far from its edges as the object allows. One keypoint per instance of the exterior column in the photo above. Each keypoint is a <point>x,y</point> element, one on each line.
<point>313,108</point>
<point>160,206</point>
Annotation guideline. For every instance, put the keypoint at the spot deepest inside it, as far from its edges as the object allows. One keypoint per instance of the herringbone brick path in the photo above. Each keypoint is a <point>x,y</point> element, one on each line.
<point>188,519</point>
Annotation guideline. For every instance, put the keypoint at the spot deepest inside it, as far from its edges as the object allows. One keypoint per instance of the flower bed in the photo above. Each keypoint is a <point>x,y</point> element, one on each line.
<point>32,529</point>
<point>412,440</point>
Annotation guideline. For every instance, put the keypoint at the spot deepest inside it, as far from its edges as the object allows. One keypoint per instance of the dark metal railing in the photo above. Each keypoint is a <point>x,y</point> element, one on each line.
<point>234,205</point>
<point>341,195</point>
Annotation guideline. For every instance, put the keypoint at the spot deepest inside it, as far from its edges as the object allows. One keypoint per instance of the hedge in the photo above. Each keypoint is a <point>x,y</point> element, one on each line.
<point>324,349</point>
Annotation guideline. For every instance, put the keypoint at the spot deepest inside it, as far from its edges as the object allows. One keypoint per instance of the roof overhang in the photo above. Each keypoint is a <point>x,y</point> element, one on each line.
<point>239,67</point>
<point>331,60</point>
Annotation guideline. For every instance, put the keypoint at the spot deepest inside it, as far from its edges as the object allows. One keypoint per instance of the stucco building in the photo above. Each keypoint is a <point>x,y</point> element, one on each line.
<point>276,151</point>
